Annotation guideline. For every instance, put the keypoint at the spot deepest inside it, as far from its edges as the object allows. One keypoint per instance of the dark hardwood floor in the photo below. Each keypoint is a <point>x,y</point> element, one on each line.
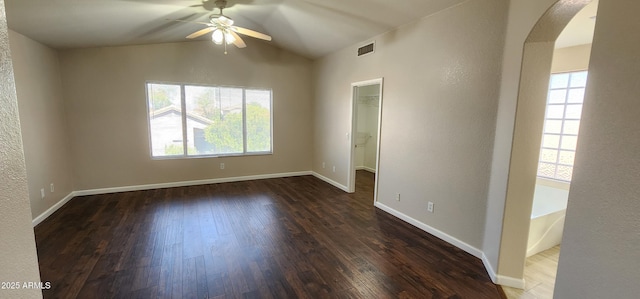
<point>292,237</point>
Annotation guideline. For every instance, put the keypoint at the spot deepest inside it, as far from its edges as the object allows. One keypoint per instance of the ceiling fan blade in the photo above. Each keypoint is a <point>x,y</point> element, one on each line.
<point>183,21</point>
<point>200,32</point>
<point>249,32</point>
<point>238,40</point>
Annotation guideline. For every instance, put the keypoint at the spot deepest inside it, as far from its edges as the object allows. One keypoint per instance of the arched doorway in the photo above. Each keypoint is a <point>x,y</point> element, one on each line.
<point>527,134</point>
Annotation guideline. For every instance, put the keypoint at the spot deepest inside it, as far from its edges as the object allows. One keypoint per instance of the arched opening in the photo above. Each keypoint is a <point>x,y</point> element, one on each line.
<point>527,136</point>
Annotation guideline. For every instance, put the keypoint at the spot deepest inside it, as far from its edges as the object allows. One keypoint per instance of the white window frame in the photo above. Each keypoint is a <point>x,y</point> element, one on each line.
<point>185,154</point>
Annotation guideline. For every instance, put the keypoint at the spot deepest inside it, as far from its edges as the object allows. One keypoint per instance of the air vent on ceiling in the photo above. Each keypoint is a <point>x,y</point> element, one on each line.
<point>366,49</point>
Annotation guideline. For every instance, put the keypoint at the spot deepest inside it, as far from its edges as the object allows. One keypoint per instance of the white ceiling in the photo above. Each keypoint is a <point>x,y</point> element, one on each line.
<point>311,28</point>
<point>580,30</point>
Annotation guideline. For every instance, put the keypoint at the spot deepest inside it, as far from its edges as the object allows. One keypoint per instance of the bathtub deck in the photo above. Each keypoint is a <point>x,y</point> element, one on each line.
<point>548,200</point>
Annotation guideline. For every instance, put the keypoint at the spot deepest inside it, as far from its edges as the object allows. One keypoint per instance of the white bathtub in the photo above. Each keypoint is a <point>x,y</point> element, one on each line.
<point>547,216</point>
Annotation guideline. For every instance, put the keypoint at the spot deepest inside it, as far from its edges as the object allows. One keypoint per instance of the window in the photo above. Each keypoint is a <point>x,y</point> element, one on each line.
<point>561,124</point>
<point>196,121</point>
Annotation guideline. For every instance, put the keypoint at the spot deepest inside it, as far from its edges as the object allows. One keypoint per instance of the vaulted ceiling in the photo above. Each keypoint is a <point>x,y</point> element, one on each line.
<point>311,28</point>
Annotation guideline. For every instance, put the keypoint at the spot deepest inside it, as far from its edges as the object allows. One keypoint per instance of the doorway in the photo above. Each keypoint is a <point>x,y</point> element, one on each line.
<point>535,123</point>
<point>366,114</point>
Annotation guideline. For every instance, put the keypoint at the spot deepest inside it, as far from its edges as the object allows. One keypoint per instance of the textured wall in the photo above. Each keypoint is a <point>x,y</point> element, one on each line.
<point>18,259</point>
<point>439,101</point>
<point>104,91</point>
<point>601,243</point>
<point>43,121</point>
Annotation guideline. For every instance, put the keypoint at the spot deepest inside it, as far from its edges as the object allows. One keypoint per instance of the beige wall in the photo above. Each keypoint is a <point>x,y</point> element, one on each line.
<point>439,102</point>
<point>42,117</point>
<point>571,59</point>
<point>104,90</point>
<point>601,243</point>
<point>18,259</point>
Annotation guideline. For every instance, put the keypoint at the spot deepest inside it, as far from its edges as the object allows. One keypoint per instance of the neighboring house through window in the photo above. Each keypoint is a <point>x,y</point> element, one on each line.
<point>561,124</point>
<point>194,121</point>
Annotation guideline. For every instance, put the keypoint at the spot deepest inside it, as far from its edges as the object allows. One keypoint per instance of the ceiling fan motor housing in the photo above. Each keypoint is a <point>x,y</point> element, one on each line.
<point>221,4</point>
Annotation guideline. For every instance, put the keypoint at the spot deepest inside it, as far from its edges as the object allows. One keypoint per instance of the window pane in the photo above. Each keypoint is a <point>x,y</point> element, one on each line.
<point>579,79</point>
<point>165,119</point>
<point>208,120</point>
<point>547,170</point>
<point>571,127</point>
<point>561,125</point>
<point>552,141</point>
<point>258,113</point>
<point>552,126</point>
<point>564,172</point>
<point>555,111</point>
<point>569,142</point>
<point>548,155</point>
<point>557,96</point>
<point>203,107</point>
<point>574,111</point>
<point>567,157</point>
<point>576,95</point>
<point>559,81</point>
<point>219,110</point>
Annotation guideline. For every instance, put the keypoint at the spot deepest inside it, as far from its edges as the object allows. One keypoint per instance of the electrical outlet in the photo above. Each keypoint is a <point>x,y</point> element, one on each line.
<point>323,166</point>
<point>334,169</point>
<point>52,188</point>
<point>42,193</point>
<point>398,196</point>
<point>221,165</point>
<point>430,207</point>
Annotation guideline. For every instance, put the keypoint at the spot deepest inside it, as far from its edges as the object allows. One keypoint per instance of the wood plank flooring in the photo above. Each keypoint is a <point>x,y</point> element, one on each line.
<point>295,237</point>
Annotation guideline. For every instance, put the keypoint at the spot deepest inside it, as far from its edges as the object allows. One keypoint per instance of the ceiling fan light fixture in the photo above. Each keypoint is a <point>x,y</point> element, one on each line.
<point>225,21</point>
<point>228,37</point>
<point>223,32</point>
<point>217,37</point>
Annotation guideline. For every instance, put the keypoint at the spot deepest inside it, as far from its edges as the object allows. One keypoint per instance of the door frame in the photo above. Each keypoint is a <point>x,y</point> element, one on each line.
<point>351,176</point>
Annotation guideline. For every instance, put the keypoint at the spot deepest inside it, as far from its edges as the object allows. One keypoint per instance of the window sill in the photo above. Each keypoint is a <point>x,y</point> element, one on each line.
<point>212,156</point>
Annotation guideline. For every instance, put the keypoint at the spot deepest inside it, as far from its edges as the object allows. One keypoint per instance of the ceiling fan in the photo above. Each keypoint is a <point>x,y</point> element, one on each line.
<point>224,32</point>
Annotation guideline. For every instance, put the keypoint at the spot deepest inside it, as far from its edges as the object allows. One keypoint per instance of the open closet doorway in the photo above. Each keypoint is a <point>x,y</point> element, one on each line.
<point>366,112</point>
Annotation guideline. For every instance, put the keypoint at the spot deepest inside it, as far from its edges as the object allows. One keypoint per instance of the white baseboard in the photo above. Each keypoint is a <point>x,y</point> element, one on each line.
<point>190,183</point>
<point>369,169</point>
<point>73,194</point>
<point>441,235</point>
<point>330,181</point>
<point>52,209</point>
<point>496,278</point>
<point>489,268</point>
<point>507,281</point>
